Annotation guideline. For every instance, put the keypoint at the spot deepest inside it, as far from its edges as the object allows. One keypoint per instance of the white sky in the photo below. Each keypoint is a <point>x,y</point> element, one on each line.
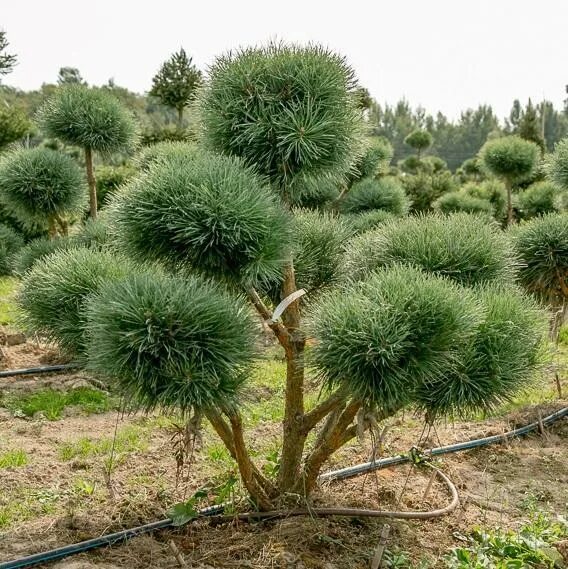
<point>442,54</point>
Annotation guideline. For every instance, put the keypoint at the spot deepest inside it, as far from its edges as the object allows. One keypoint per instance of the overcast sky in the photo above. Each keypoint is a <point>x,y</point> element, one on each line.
<point>445,55</point>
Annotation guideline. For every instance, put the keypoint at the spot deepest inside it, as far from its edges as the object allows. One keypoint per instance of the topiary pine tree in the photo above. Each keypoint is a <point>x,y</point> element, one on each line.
<point>70,76</point>
<point>41,187</point>
<point>419,140</point>
<point>223,223</point>
<point>511,159</point>
<point>92,119</point>
<point>176,83</point>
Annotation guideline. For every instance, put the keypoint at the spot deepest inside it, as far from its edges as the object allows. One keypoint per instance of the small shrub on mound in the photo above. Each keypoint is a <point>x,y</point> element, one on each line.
<point>361,222</point>
<point>39,185</point>
<point>385,337</point>
<point>368,194</point>
<point>424,189</point>
<point>37,249</point>
<point>460,201</point>
<point>93,233</point>
<point>464,247</point>
<point>210,213</point>
<point>164,151</point>
<point>498,362</point>
<point>493,191</point>
<point>539,198</point>
<point>542,246</point>
<point>54,291</point>
<point>10,243</point>
<point>171,342</point>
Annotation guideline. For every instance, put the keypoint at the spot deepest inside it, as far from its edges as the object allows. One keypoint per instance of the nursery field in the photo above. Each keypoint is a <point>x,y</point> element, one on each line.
<point>74,467</point>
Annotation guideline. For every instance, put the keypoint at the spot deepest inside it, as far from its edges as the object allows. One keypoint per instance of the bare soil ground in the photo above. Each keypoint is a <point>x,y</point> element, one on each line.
<point>62,495</point>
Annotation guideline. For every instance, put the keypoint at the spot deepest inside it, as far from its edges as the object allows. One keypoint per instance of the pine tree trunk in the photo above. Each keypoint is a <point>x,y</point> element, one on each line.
<point>294,435</point>
<point>91,182</point>
<point>180,117</point>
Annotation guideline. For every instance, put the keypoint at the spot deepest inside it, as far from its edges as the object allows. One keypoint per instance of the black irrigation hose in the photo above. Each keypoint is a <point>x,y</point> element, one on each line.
<point>111,539</point>
<point>38,370</point>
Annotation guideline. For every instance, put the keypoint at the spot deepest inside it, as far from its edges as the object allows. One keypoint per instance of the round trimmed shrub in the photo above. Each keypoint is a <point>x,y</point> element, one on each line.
<point>461,201</point>
<point>542,246</point>
<point>37,249</point>
<point>361,222</point>
<point>285,109</point>
<point>39,184</point>
<point>556,166</point>
<point>369,194</point>
<point>510,157</point>
<point>54,292</point>
<point>464,247</point>
<point>399,329</point>
<point>171,342</point>
<point>89,118</point>
<point>211,213</point>
<point>10,243</point>
<point>499,361</point>
<point>164,151</point>
<point>539,198</point>
<point>419,140</point>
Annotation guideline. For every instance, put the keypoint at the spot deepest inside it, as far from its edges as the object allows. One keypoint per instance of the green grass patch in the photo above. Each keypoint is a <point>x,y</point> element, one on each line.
<point>51,403</point>
<point>13,458</point>
<point>25,504</point>
<point>8,307</point>
<point>128,439</point>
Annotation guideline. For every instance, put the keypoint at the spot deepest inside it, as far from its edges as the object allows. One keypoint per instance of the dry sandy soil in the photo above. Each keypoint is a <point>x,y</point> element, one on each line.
<point>62,494</point>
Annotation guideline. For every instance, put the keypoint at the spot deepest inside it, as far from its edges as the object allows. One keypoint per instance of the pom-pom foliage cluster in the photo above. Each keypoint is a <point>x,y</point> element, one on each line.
<point>286,109</point>
<point>464,247</point>
<point>369,194</point>
<point>39,185</point>
<point>171,342</point>
<point>88,118</point>
<point>542,246</point>
<point>55,290</point>
<point>404,337</point>
<point>205,211</point>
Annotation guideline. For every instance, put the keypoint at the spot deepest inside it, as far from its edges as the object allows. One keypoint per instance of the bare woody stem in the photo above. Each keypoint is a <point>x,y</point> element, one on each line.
<point>91,181</point>
<point>337,431</point>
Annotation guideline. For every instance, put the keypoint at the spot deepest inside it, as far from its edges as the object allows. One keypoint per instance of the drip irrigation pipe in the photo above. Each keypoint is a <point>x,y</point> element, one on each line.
<point>38,370</point>
<point>216,512</point>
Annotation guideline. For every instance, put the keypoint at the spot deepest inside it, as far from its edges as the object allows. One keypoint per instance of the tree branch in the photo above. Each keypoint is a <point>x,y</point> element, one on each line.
<point>312,418</point>
<point>277,327</point>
